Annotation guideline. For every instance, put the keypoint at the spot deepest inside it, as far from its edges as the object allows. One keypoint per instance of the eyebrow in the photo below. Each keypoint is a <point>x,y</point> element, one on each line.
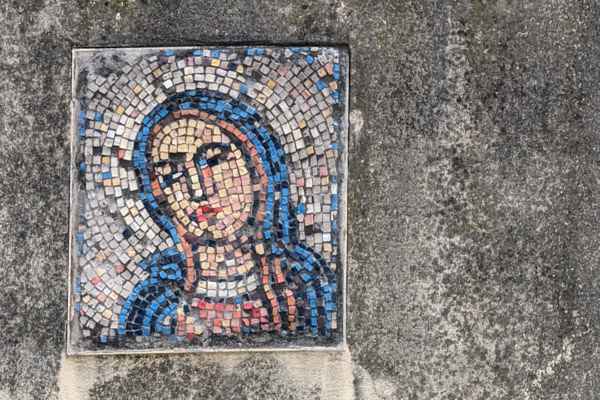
<point>213,145</point>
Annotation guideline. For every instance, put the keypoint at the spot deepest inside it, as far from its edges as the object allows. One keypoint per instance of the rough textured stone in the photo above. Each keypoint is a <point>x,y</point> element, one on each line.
<point>472,199</point>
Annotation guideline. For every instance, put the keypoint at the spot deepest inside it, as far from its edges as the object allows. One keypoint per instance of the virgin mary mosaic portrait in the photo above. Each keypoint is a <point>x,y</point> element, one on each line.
<point>207,199</point>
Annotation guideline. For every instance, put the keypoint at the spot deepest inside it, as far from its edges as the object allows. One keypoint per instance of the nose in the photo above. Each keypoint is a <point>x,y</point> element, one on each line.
<point>201,172</point>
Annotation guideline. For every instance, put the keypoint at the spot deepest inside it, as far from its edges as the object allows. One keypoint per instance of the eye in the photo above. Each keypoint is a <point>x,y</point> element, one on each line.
<point>214,158</point>
<point>171,166</point>
<point>214,153</point>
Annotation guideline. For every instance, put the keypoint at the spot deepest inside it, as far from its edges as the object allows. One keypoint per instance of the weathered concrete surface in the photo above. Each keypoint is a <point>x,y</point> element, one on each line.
<point>473,199</point>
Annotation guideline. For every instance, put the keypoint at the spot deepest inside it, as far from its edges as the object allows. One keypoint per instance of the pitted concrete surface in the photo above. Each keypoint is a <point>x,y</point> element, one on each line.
<point>473,222</point>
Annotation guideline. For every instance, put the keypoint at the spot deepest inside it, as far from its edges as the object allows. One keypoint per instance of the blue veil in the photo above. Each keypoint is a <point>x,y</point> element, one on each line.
<point>152,306</point>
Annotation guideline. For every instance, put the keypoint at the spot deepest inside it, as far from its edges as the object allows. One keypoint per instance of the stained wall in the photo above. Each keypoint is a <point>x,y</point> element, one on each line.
<point>472,195</point>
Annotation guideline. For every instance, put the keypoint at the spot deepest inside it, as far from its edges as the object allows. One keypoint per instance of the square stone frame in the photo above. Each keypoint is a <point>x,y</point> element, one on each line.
<point>72,324</point>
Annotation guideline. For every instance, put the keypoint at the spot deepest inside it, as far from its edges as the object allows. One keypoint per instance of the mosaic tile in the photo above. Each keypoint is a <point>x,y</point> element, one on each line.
<point>208,207</point>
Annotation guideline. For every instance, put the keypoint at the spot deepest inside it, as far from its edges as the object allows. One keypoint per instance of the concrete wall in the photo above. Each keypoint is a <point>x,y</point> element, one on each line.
<point>473,199</point>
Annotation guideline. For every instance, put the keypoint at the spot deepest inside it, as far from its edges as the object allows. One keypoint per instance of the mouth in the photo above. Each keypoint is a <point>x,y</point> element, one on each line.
<point>205,212</point>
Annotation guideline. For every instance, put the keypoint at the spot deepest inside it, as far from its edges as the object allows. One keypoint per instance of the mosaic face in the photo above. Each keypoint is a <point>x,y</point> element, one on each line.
<point>202,178</point>
<point>207,199</point>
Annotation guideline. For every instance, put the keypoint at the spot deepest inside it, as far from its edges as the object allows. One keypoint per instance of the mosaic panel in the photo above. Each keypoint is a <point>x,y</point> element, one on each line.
<point>208,204</point>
